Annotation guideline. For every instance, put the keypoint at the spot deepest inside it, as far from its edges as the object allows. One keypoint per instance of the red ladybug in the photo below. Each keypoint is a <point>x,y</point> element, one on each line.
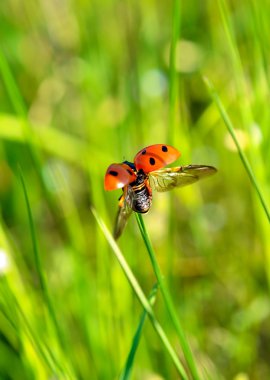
<point>146,174</point>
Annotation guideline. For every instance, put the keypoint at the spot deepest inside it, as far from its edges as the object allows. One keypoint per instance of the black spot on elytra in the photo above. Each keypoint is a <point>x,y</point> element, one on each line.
<point>144,151</point>
<point>152,161</point>
<point>113,173</point>
<point>164,148</point>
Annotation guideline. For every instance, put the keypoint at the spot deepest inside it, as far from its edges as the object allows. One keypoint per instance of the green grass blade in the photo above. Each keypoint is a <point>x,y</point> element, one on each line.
<point>50,140</point>
<point>39,266</point>
<point>168,300</point>
<point>15,315</point>
<point>126,373</point>
<point>173,90</point>
<point>140,295</point>
<point>28,133</point>
<point>241,153</point>
<point>11,87</point>
<point>239,77</point>
<point>18,104</point>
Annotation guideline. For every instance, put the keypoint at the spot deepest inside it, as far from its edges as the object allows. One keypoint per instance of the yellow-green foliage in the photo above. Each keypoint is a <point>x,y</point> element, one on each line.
<point>88,83</point>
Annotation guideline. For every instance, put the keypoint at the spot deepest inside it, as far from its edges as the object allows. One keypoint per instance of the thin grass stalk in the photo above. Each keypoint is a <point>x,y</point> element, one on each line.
<point>126,373</point>
<point>19,106</point>
<point>39,266</point>
<point>141,296</point>
<point>241,153</point>
<point>236,62</point>
<point>19,321</point>
<point>28,132</point>
<point>173,111</point>
<point>173,90</point>
<point>168,300</point>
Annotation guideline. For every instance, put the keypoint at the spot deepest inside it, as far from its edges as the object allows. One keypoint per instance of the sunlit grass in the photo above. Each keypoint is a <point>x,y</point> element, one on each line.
<point>126,372</point>
<point>242,155</point>
<point>88,84</point>
<point>142,298</point>
<point>168,300</point>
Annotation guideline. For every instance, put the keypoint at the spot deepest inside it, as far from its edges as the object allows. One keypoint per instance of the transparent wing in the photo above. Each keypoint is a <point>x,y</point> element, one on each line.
<point>124,211</point>
<point>169,178</point>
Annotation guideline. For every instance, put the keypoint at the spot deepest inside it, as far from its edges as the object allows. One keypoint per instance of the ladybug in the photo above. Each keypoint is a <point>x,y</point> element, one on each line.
<point>147,173</point>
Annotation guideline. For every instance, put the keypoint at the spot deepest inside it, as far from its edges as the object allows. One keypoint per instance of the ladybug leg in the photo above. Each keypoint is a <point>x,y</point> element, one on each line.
<point>121,200</point>
<point>122,197</point>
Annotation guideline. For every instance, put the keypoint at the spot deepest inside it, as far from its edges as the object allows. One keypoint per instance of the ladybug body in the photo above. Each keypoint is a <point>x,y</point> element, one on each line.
<point>139,193</point>
<point>147,173</point>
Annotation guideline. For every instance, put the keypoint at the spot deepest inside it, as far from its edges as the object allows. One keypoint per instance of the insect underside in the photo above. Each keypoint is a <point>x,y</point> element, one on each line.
<point>139,195</point>
<point>139,198</point>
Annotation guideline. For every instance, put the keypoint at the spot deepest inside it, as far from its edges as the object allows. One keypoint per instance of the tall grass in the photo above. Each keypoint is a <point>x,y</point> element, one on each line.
<point>87,84</point>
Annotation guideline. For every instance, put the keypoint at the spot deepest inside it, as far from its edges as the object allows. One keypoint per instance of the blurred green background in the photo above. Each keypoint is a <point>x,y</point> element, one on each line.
<point>88,83</point>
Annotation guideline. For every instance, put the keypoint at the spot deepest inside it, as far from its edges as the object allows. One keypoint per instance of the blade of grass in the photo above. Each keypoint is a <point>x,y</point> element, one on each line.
<point>241,153</point>
<point>239,77</point>
<point>126,373</point>
<point>140,295</point>
<point>168,300</point>
<point>11,87</point>
<point>173,91</point>
<point>39,266</point>
<point>173,111</point>
<point>19,107</point>
<point>28,133</point>
<point>50,140</point>
<point>13,312</point>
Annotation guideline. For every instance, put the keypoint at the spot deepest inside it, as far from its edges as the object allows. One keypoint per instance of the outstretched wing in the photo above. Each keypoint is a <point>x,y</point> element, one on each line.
<point>168,178</point>
<point>124,211</point>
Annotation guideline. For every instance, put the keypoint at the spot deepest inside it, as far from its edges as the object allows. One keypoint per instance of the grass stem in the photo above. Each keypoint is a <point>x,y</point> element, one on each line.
<point>241,153</point>
<point>168,300</point>
<point>141,296</point>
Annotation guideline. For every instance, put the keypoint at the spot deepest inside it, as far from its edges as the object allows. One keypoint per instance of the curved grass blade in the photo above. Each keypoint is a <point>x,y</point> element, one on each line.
<point>242,155</point>
<point>141,296</point>
<point>39,268</point>
<point>126,373</point>
<point>13,312</point>
<point>173,90</point>
<point>168,300</point>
